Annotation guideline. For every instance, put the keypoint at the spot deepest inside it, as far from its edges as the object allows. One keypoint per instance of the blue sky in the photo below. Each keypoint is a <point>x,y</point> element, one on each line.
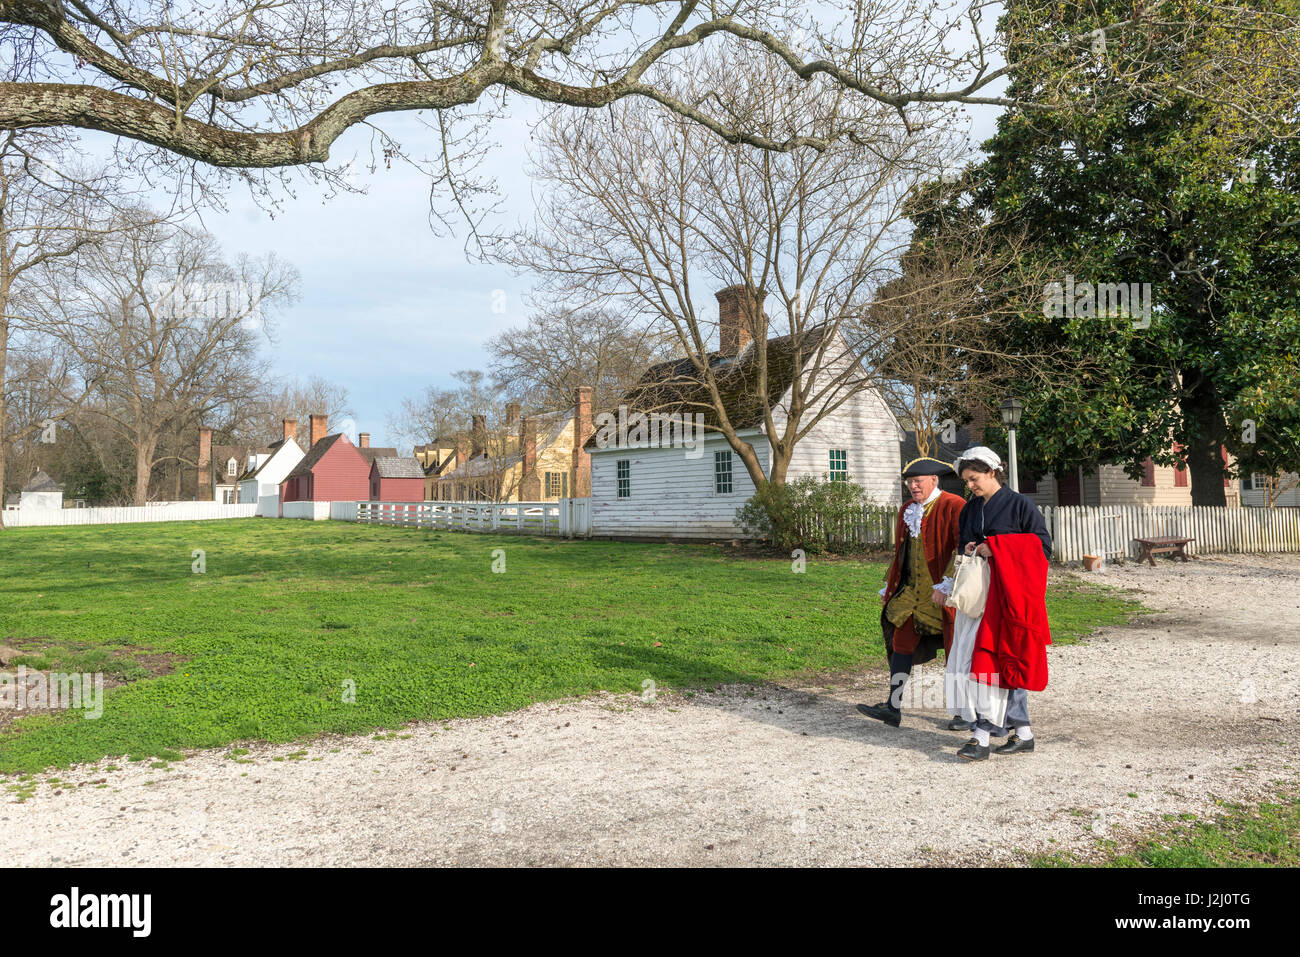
<point>387,308</point>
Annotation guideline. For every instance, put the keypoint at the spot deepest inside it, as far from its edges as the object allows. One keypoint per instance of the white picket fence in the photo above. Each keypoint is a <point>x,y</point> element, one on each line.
<point>161,512</point>
<point>1110,530</point>
<point>568,517</point>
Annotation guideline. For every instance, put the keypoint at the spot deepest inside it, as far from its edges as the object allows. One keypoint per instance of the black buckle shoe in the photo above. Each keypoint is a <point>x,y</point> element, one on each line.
<point>960,724</point>
<point>882,712</point>
<point>972,751</point>
<point>1014,745</point>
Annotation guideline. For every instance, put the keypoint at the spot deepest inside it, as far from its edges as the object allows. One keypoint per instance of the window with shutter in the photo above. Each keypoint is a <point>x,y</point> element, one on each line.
<point>1148,473</point>
<point>1180,470</point>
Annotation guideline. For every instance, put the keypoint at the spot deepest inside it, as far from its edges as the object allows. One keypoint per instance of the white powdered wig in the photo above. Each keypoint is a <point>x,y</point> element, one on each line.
<point>981,453</point>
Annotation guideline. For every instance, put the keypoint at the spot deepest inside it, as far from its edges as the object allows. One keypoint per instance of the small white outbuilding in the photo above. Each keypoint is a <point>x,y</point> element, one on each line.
<point>42,492</point>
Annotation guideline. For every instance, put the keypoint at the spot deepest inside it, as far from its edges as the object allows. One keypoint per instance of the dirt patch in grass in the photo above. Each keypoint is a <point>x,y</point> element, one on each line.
<point>41,658</point>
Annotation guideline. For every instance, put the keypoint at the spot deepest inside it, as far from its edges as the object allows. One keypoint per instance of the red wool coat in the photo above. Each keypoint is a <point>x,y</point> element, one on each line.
<point>939,533</point>
<point>1012,640</point>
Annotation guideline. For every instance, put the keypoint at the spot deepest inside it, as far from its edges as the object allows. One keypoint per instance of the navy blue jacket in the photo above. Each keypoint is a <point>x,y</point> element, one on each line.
<point>1006,511</point>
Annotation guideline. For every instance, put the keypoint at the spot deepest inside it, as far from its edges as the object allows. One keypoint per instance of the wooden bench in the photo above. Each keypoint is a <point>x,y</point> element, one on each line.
<point>1151,547</point>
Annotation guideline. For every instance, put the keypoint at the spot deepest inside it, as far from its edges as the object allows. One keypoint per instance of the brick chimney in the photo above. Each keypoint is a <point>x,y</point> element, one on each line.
<point>530,483</point>
<point>478,435</point>
<point>290,429</point>
<point>740,318</point>
<point>979,420</point>
<point>512,414</point>
<point>363,440</point>
<point>203,490</point>
<point>461,453</point>
<point>319,427</point>
<point>580,470</point>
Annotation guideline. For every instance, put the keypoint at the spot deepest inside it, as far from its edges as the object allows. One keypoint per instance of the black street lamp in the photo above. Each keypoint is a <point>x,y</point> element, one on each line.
<point>1010,410</point>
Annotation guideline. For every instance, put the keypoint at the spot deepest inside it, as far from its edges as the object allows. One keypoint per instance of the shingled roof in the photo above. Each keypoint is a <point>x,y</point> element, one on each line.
<point>677,387</point>
<point>271,450</point>
<point>944,452</point>
<point>42,483</point>
<point>398,467</point>
<point>481,465</point>
<point>314,455</point>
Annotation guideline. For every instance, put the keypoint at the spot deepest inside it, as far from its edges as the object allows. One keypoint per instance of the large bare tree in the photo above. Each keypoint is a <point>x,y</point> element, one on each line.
<point>932,333</point>
<point>562,347</point>
<point>258,84</point>
<point>258,417</point>
<point>166,331</point>
<point>652,218</point>
<point>54,209</point>
<point>439,413</point>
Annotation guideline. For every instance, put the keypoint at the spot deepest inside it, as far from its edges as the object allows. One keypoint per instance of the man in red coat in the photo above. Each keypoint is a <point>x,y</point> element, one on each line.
<point>914,620</point>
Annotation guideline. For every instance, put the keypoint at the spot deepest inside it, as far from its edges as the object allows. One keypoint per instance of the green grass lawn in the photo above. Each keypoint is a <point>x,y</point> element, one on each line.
<point>262,644</point>
<point>1238,836</point>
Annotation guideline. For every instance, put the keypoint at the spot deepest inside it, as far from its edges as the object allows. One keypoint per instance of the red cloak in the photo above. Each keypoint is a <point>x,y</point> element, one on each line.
<point>1013,636</point>
<point>939,534</point>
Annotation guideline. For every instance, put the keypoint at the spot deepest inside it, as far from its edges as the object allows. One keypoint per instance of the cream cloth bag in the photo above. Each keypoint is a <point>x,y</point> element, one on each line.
<point>970,585</point>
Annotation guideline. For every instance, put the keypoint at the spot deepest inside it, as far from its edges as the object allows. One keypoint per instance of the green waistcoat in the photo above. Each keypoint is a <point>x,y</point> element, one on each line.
<point>913,599</point>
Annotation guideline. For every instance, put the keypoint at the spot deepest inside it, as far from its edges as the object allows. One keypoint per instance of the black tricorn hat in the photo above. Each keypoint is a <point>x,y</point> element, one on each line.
<point>926,466</point>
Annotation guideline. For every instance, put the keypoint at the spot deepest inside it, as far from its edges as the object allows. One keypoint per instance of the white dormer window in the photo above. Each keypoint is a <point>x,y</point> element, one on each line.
<point>231,467</point>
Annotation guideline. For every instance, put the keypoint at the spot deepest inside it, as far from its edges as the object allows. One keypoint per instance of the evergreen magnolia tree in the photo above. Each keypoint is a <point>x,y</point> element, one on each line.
<point>1169,190</point>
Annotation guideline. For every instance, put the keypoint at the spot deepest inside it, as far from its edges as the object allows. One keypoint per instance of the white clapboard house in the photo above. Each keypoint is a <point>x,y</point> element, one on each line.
<point>673,491</point>
<point>266,470</point>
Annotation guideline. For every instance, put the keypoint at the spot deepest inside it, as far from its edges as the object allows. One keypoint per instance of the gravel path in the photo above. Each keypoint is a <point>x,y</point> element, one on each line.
<point>1200,701</point>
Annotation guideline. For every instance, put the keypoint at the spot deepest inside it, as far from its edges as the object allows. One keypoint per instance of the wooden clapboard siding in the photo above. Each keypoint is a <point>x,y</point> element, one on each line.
<point>1045,494</point>
<point>556,457</point>
<point>863,427</point>
<point>1257,497</point>
<point>672,495</point>
<point>1110,485</point>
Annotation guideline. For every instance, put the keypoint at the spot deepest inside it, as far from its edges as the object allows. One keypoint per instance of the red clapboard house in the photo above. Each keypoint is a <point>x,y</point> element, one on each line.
<point>334,470</point>
<point>396,479</point>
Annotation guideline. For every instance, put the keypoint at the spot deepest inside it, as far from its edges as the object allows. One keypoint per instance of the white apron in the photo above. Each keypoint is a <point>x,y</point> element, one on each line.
<point>964,697</point>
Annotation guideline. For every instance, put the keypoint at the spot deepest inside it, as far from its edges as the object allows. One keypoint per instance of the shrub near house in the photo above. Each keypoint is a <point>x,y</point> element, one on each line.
<point>806,513</point>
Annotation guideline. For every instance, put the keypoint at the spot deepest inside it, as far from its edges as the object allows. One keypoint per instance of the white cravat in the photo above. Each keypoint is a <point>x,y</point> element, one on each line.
<point>915,511</point>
